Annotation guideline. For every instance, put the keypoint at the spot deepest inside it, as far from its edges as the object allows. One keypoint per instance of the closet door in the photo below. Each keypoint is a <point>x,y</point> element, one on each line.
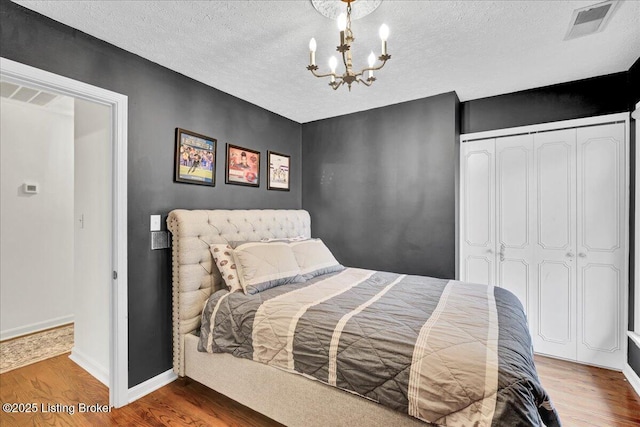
<point>554,255</point>
<point>601,244</point>
<point>478,212</point>
<point>515,217</point>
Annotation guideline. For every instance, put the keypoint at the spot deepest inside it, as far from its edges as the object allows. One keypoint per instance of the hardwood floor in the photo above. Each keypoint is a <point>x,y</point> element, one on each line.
<point>584,396</point>
<point>589,396</point>
<point>61,381</point>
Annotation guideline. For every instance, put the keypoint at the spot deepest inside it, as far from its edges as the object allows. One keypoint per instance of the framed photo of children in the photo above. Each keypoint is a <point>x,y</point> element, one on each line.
<point>242,166</point>
<point>278,171</point>
<point>195,160</point>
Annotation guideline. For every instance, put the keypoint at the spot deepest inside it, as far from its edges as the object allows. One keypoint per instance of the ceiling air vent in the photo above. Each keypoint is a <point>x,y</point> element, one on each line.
<point>590,19</point>
<point>7,89</point>
<point>25,94</point>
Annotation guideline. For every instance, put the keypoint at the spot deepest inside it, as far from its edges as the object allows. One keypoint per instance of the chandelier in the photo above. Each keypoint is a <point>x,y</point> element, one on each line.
<point>346,39</point>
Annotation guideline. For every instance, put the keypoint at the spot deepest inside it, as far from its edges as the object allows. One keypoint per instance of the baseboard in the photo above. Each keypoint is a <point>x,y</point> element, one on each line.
<point>35,327</point>
<point>91,366</point>
<point>632,377</point>
<point>150,385</point>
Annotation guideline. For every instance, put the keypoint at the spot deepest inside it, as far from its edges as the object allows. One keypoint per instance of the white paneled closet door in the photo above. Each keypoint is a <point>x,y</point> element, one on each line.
<point>478,207</point>
<point>544,215</point>
<point>554,257</point>
<point>601,265</point>
<point>515,217</point>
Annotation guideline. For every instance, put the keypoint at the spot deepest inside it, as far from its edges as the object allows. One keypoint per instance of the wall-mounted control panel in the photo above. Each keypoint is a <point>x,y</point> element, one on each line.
<point>160,240</point>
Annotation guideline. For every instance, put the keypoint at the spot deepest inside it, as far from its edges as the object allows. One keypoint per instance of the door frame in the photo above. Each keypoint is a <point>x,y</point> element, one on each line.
<point>15,72</point>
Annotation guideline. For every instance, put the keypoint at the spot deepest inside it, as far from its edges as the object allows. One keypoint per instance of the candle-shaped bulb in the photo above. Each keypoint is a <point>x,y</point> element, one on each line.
<point>312,51</point>
<point>333,63</point>
<point>371,59</point>
<point>342,22</point>
<point>384,32</point>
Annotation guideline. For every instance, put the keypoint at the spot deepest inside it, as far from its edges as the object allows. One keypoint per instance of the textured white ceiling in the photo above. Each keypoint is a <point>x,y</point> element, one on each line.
<point>258,50</point>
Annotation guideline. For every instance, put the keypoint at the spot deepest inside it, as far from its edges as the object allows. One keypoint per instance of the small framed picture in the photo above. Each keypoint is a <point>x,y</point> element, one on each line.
<point>195,160</point>
<point>278,171</point>
<point>242,166</point>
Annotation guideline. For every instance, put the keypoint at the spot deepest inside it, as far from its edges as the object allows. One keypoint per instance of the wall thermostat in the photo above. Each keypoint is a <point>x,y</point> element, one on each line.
<point>30,188</point>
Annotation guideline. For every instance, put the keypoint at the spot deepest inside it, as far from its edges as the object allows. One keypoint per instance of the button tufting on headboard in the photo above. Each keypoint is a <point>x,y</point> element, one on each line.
<point>194,273</point>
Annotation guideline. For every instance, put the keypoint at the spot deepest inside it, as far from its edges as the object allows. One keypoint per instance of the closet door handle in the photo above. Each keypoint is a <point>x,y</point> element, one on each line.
<point>570,254</point>
<point>502,248</point>
<point>582,255</point>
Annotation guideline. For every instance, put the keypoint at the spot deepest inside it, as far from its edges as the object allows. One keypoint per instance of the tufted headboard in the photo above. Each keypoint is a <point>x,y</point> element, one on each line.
<point>195,275</point>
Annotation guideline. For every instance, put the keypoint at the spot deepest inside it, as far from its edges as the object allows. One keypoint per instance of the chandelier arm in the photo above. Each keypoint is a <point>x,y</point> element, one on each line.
<point>365,82</point>
<point>335,86</point>
<point>372,68</point>
<point>324,75</point>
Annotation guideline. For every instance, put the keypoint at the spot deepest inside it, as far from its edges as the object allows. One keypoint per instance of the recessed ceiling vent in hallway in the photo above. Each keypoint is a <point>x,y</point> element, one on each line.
<point>25,94</point>
<point>591,19</point>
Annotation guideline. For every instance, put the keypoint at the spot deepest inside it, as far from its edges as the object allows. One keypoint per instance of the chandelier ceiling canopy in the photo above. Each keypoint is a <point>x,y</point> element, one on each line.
<point>332,8</point>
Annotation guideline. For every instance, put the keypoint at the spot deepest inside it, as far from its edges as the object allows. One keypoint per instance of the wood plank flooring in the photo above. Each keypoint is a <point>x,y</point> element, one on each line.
<point>589,396</point>
<point>584,396</point>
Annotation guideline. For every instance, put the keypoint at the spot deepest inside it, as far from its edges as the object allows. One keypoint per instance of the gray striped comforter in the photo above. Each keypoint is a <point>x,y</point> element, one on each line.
<point>446,352</point>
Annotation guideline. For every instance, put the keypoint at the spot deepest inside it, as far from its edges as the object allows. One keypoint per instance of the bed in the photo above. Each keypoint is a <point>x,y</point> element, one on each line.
<point>470,362</point>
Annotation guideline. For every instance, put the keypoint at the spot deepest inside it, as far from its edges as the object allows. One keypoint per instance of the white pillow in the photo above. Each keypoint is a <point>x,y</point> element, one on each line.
<point>264,265</point>
<point>223,257</point>
<point>314,258</point>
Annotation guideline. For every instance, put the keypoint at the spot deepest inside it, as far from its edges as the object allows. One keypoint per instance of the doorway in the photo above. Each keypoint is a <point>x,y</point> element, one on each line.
<point>113,106</point>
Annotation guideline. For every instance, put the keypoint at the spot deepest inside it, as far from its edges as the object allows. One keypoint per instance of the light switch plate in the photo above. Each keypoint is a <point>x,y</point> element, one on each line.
<point>155,223</point>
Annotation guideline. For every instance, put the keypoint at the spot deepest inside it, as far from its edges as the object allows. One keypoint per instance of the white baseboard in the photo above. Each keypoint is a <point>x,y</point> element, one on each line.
<point>35,327</point>
<point>632,377</point>
<point>91,366</point>
<point>152,384</point>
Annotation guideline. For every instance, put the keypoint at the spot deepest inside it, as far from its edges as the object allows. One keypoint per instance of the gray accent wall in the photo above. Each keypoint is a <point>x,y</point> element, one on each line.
<point>159,101</point>
<point>380,185</point>
<point>565,101</point>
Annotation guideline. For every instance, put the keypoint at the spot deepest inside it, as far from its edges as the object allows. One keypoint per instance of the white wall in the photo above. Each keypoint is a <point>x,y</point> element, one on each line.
<point>92,238</point>
<point>36,244</point>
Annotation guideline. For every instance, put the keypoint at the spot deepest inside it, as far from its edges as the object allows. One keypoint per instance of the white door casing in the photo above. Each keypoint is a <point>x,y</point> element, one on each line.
<point>22,74</point>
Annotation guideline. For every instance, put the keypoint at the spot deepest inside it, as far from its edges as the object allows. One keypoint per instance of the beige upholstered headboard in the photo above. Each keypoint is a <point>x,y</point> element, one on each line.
<point>195,275</point>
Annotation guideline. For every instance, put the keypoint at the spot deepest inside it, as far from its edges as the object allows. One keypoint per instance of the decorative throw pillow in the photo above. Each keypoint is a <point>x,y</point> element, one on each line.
<point>265,265</point>
<point>223,257</point>
<point>314,258</point>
